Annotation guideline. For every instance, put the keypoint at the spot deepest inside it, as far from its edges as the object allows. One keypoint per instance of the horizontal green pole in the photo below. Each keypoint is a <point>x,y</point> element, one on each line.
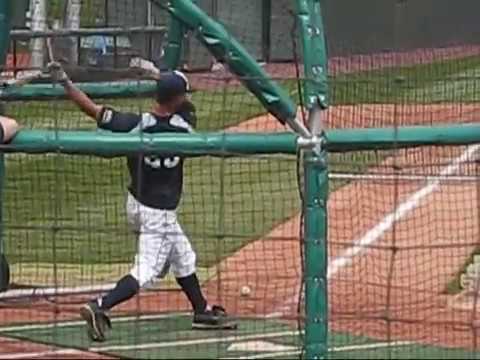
<point>388,138</point>
<point>104,143</point>
<point>97,90</point>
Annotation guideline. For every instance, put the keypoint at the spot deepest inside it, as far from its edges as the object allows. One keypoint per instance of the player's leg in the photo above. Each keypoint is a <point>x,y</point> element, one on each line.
<point>128,286</point>
<point>152,253</point>
<point>183,263</point>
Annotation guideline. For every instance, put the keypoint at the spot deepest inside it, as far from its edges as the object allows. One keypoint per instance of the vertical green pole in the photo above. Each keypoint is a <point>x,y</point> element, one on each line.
<point>315,58</point>
<point>5,27</point>
<point>173,50</point>
<point>175,37</point>
<point>316,299</point>
<point>316,180</point>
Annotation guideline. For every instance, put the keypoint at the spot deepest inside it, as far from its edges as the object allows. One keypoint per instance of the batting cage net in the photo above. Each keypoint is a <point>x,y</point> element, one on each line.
<point>403,181</point>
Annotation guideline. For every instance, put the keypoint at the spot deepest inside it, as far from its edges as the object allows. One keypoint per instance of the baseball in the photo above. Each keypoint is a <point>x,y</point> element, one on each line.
<point>245,291</point>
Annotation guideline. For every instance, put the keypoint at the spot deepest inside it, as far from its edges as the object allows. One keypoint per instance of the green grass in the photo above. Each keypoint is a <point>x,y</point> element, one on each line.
<point>453,287</point>
<point>216,109</point>
<point>79,210</point>
<point>450,80</point>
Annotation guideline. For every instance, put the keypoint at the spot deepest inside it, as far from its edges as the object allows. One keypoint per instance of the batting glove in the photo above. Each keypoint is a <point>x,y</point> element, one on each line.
<point>57,73</point>
<point>145,68</point>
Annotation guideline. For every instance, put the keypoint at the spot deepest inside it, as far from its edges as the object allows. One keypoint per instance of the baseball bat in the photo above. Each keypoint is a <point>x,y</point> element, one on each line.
<point>23,80</point>
<point>51,57</point>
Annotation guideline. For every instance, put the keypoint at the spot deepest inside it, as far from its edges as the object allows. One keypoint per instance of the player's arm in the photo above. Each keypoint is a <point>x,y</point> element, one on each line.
<point>115,121</point>
<point>8,128</point>
<point>106,118</point>
<point>87,105</point>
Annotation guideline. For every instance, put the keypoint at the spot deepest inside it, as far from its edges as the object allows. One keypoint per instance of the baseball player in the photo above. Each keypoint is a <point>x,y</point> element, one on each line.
<point>8,127</point>
<point>153,197</point>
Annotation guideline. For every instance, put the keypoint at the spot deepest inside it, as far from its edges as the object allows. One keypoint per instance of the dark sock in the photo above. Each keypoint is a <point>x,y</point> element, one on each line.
<point>191,288</point>
<point>125,289</point>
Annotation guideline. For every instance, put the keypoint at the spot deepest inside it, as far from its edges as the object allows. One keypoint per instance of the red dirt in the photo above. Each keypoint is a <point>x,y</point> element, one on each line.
<point>374,295</point>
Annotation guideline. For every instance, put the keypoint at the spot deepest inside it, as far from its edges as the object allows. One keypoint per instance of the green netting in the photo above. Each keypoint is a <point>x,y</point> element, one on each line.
<point>403,224</point>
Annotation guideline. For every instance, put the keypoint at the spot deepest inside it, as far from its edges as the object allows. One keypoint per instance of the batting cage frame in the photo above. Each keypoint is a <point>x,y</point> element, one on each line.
<point>310,141</point>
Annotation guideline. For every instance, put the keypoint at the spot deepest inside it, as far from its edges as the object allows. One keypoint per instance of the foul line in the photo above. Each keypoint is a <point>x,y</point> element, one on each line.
<point>15,328</point>
<point>149,346</point>
<point>374,234</point>
<point>403,177</point>
<point>234,338</point>
<point>205,342</point>
<point>42,292</point>
<point>373,346</point>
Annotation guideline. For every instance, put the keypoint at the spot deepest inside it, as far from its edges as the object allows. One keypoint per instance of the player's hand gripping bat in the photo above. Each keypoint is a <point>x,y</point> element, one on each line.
<point>145,68</point>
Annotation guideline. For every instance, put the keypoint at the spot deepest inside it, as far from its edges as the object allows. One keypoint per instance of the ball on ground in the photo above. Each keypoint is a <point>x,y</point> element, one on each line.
<point>245,291</point>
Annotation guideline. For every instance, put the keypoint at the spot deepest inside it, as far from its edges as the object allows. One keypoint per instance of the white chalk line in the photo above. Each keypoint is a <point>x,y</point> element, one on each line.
<point>362,347</point>
<point>63,324</point>
<point>170,344</point>
<point>404,177</point>
<point>151,346</point>
<point>42,292</point>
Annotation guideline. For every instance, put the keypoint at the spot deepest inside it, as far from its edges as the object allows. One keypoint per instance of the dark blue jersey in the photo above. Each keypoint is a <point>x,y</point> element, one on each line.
<point>156,181</point>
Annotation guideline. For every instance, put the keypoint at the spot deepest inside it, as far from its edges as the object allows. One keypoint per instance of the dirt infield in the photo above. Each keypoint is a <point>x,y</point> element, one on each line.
<point>391,287</point>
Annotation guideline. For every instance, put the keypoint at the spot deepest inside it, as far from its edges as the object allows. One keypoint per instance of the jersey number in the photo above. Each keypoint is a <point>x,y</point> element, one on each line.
<point>157,162</point>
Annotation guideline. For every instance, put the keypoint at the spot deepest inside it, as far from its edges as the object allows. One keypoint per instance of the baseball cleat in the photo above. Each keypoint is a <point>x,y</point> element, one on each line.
<point>214,319</point>
<point>97,321</point>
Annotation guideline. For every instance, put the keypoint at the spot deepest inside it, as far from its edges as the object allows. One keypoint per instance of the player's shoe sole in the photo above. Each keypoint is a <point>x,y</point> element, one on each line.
<point>96,322</point>
<point>214,319</point>
<point>204,326</point>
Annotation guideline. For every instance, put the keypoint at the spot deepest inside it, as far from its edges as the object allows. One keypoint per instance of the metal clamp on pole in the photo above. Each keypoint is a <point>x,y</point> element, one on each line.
<point>310,143</point>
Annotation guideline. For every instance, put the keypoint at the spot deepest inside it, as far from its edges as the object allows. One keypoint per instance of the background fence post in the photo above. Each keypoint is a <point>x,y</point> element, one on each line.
<point>5,27</point>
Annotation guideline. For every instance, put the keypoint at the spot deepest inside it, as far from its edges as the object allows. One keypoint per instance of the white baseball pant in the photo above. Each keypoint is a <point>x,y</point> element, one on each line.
<point>162,244</point>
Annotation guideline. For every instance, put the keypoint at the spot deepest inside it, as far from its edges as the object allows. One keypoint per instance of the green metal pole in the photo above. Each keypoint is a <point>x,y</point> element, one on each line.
<point>105,143</point>
<point>311,29</point>
<point>315,211</point>
<point>117,89</point>
<point>224,47</point>
<point>5,27</point>
<point>309,13</point>
<point>173,50</point>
